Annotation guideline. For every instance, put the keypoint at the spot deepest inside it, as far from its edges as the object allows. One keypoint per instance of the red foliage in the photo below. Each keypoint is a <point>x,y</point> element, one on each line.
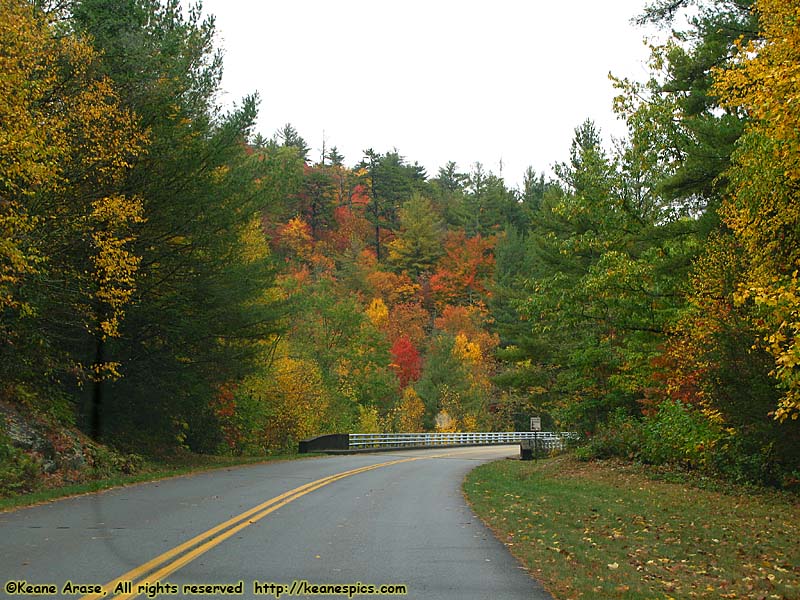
<point>360,196</point>
<point>406,361</point>
<point>224,407</point>
<point>678,374</point>
<point>349,225</point>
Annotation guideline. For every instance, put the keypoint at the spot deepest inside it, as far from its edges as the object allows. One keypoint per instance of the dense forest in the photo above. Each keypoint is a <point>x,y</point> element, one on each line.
<point>169,277</point>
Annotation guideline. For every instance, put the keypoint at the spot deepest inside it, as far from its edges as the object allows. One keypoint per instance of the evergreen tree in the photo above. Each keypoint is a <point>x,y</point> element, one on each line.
<point>419,242</point>
<point>67,265</point>
<point>391,182</point>
<point>680,107</point>
<point>488,205</point>
<point>446,191</point>
<point>199,309</point>
<point>334,157</point>
<point>288,137</point>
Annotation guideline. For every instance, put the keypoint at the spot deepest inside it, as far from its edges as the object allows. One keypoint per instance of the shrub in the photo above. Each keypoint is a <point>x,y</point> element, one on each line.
<point>679,435</point>
<point>19,472</point>
<point>743,459</point>
<point>106,463</point>
<point>622,437</point>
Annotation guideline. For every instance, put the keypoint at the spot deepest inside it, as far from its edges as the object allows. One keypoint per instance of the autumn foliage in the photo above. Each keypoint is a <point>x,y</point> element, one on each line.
<point>167,274</point>
<point>465,271</point>
<point>406,361</point>
<point>763,209</point>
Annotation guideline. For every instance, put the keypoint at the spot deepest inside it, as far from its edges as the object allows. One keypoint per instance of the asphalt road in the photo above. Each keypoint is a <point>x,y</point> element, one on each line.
<point>392,518</point>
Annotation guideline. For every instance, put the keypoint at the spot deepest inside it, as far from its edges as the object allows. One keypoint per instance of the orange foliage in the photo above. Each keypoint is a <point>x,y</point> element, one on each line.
<point>394,288</point>
<point>468,321</point>
<point>686,369</point>
<point>224,408</point>
<point>294,239</point>
<point>409,319</point>
<point>323,265</point>
<point>677,373</point>
<point>350,226</point>
<point>360,196</point>
<point>464,271</point>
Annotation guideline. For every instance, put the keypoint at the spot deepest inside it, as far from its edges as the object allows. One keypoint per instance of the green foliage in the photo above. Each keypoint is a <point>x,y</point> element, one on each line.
<point>184,283</point>
<point>601,287</point>
<point>443,371</point>
<point>680,436</point>
<point>106,463</point>
<point>202,304</point>
<point>487,204</point>
<point>621,437</point>
<point>288,137</point>
<point>390,181</point>
<point>680,108</point>
<point>419,242</point>
<point>749,460</point>
<point>20,473</point>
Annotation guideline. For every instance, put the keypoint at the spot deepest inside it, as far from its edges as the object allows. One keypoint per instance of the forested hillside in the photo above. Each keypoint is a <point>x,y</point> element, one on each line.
<point>171,277</point>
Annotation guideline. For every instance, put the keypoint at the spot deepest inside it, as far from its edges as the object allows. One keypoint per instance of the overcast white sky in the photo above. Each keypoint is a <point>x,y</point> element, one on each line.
<point>437,79</point>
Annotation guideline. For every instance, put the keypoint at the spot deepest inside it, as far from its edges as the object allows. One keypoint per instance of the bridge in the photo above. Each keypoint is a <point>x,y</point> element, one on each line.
<point>355,442</point>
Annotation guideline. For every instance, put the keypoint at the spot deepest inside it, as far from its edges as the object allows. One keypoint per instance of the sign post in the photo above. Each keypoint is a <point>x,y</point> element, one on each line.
<point>536,425</point>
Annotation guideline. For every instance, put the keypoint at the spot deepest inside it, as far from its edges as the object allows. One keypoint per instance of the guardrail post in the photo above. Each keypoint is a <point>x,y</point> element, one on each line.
<point>526,451</point>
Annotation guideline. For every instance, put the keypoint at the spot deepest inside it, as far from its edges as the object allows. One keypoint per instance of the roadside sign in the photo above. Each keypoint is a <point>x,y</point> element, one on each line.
<point>536,423</point>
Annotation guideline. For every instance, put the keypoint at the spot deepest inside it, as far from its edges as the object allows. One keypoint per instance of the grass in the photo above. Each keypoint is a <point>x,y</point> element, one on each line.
<point>152,471</point>
<point>608,530</point>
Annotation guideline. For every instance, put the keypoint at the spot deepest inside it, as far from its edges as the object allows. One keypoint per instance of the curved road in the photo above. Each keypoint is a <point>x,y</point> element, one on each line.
<point>392,518</point>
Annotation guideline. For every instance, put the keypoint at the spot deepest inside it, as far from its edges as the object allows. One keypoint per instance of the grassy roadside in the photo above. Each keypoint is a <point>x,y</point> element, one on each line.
<point>151,471</point>
<point>608,530</point>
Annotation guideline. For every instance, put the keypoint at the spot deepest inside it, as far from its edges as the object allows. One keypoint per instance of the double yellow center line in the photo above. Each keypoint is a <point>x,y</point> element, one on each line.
<point>163,565</point>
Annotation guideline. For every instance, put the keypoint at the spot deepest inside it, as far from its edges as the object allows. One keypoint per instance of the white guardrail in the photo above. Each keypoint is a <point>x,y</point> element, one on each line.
<point>547,440</point>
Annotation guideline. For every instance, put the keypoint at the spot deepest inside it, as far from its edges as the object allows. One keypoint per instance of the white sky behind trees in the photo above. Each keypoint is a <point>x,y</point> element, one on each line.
<point>439,80</point>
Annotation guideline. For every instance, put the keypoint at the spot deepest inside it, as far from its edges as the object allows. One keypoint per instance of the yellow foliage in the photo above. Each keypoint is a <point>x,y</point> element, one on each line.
<point>398,249</point>
<point>763,211</point>
<point>295,236</point>
<point>378,313</point>
<point>469,423</point>
<point>64,141</point>
<point>466,351</point>
<point>254,242</point>
<point>782,302</point>
<point>368,419</point>
<point>410,412</point>
<point>296,398</point>
<point>115,266</point>
<point>445,423</point>
<point>447,419</point>
<point>765,84</point>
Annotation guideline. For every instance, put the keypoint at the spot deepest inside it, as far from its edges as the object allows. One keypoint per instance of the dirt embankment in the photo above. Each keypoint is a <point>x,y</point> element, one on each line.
<point>36,453</point>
